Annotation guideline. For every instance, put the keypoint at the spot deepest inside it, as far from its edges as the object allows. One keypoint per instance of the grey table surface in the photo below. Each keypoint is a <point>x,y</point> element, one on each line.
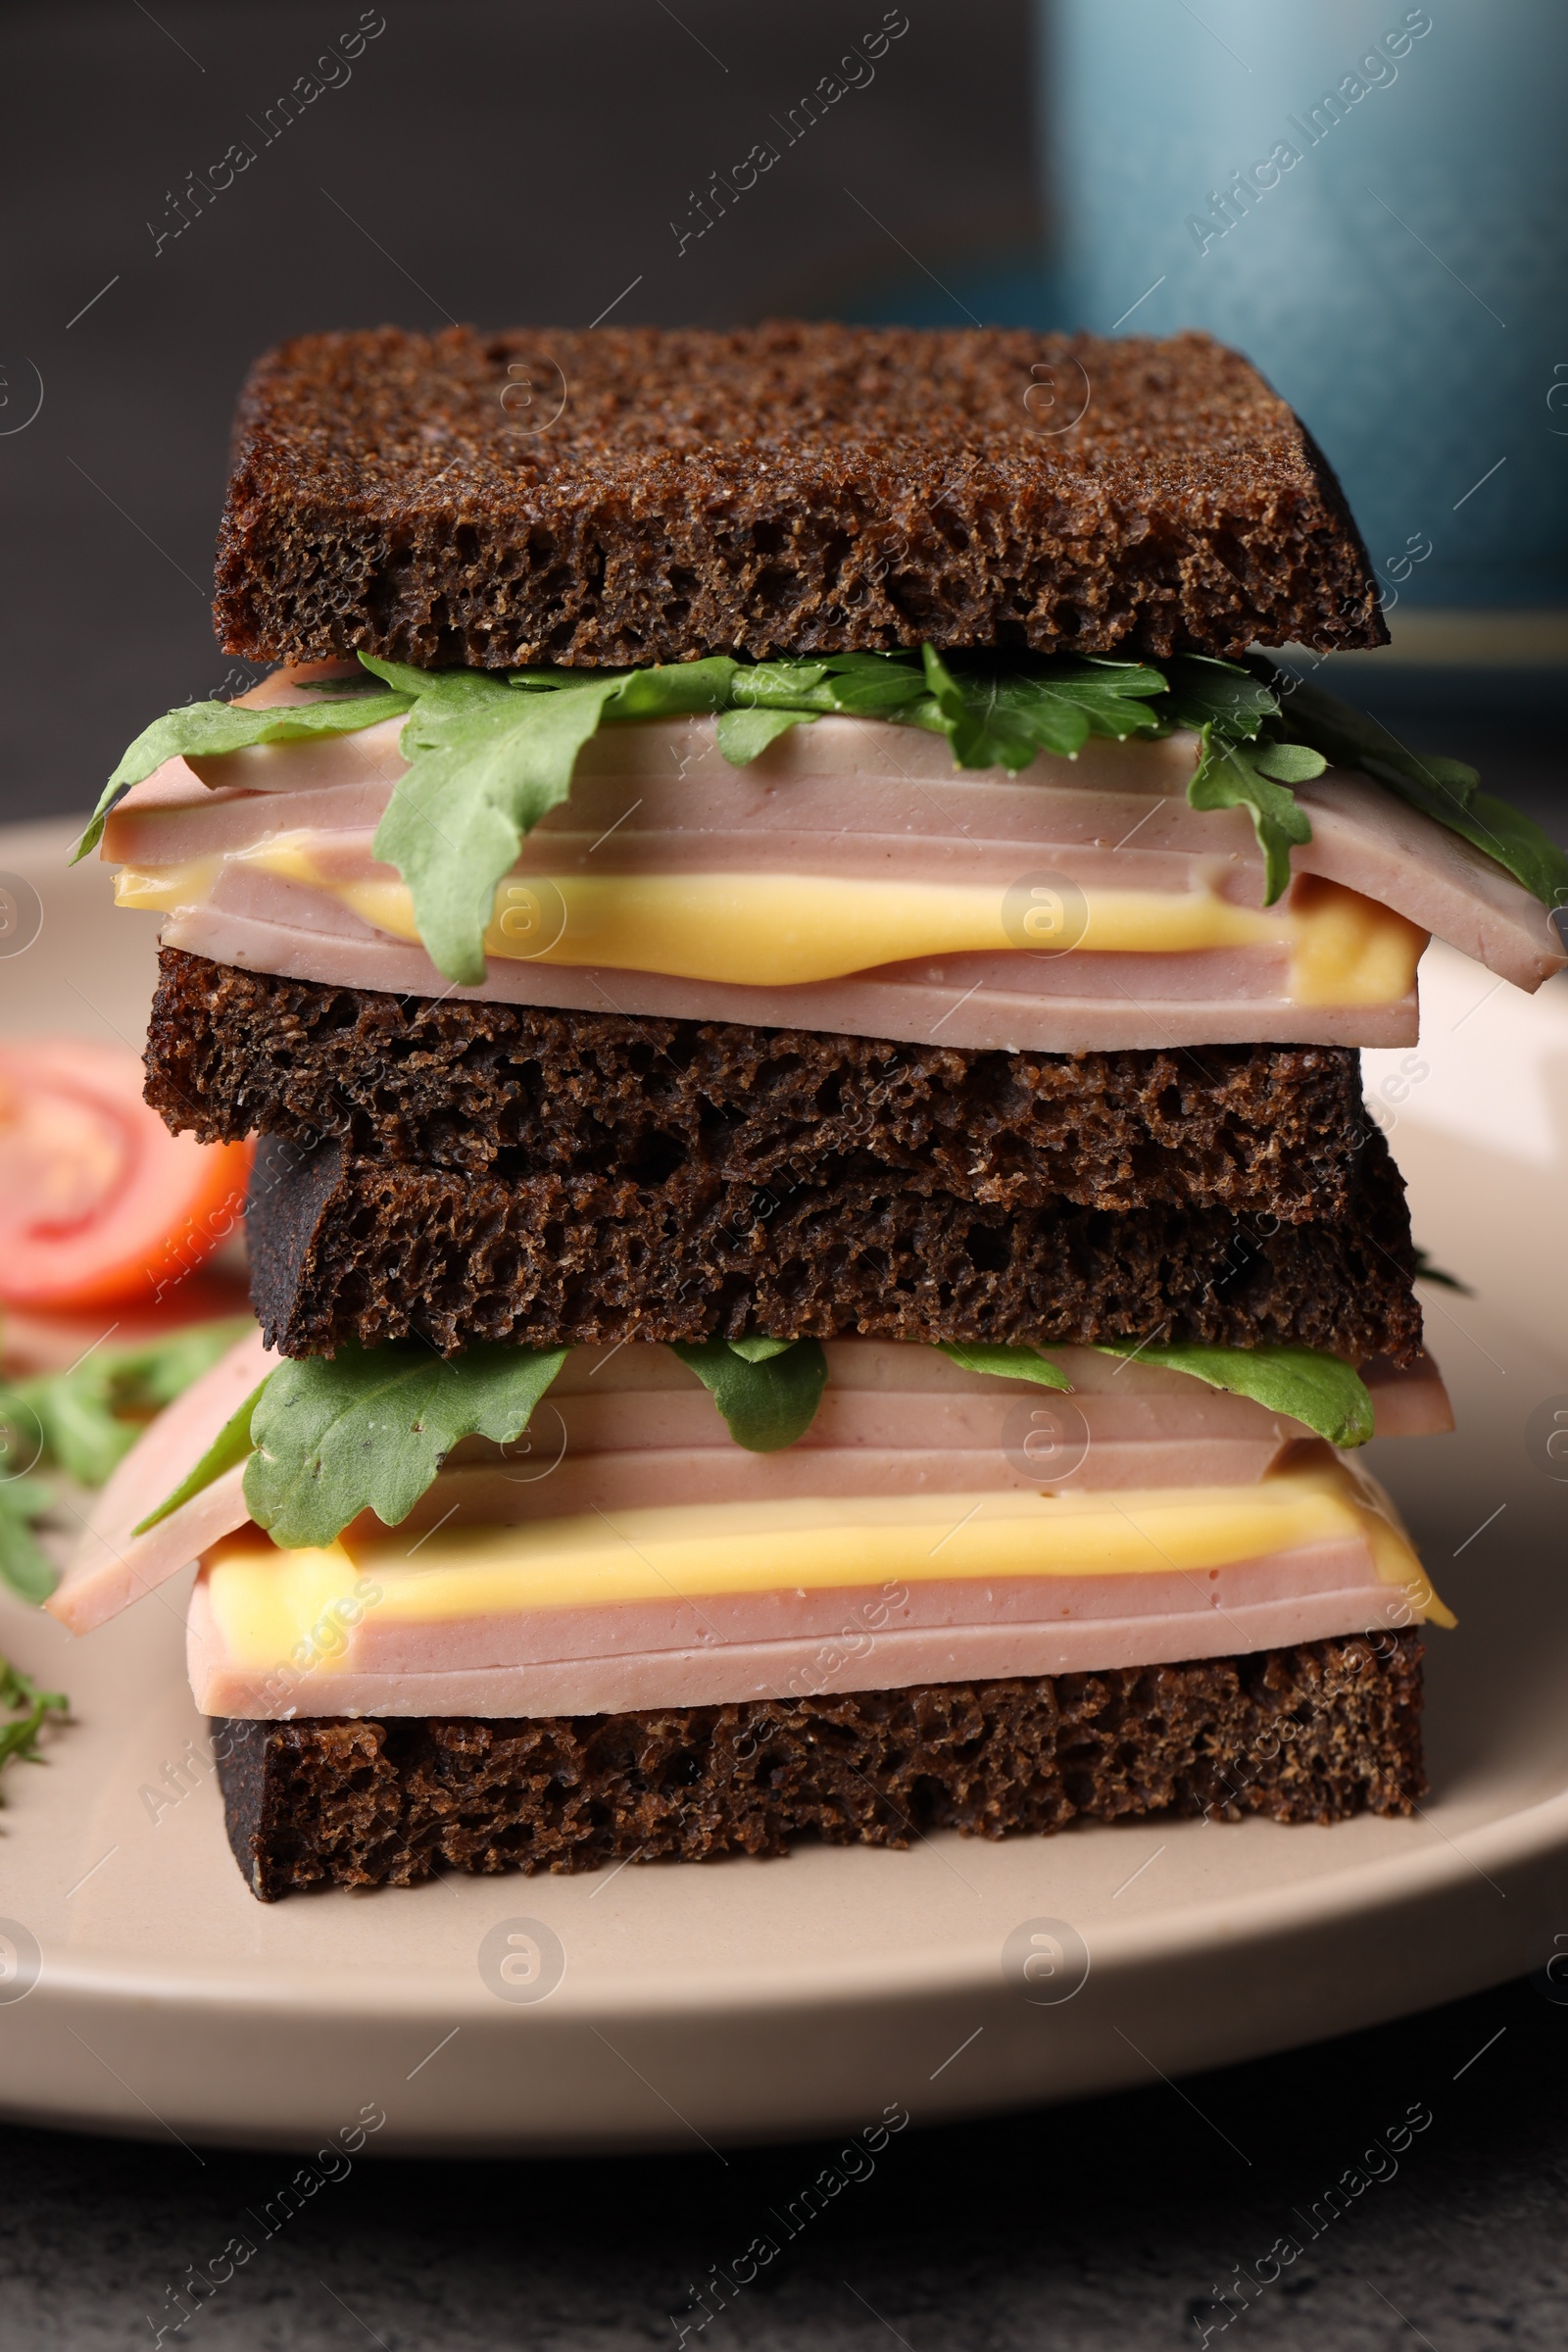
<point>1110,2227</point>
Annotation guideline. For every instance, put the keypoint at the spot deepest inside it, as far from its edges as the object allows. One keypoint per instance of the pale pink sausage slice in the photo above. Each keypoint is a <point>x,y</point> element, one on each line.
<point>892,1419</point>
<point>112,1566</point>
<point>1373,843</point>
<point>664,781</point>
<point>855,1641</point>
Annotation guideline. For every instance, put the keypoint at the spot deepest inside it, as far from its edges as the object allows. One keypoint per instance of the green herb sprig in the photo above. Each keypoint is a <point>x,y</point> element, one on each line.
<point>1448,790</point>
<point>85,1421</point>
<point>28,1709</point>
<point>1326,1394</point>
<point>24,1563</point>
<point>325,1438</point>
<point>768,1400</point>
<point>1006,1362</point>
<point>490,752</point>
<point>206,730</point>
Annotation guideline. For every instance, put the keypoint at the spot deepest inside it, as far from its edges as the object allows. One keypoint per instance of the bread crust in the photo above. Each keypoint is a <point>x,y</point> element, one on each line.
<point>517,1090</point>
<point>785,488</point>
<point>1317,1731</point>
<point>343,1249</point>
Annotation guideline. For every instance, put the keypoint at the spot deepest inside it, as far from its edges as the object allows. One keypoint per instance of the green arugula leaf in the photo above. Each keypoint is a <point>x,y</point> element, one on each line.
<point>490,752</point>
<point>1328,1394</point>
<point>743,735</point>
<point>1114,696</point>
<point>92,1416</point>
<point>88,1419</point>
<point>368,1429</point>
<point>988,726</point>
<point>1231,775</point>
<point>1509,837</point>
<point>673,689</point>
<point>485,764</point>
<point>767,1402</point>
<point>668,690</point>
<point>153,1375</point>
<point>997,717</point>
<point>867,685</point>
<point>23,1562</point>
<point>1446,789</point>
<point>81,1430</point>
<point>1205,692</point>
<point>19,1739</point>
<point>855,685</point>
<point>1287,763</point>
<point>198,730</point>
<point>1007,1363</point>
<point>1426,1271</point>
<point>1349,738</point>
<point>781,686</point>
<point>231,1444</point>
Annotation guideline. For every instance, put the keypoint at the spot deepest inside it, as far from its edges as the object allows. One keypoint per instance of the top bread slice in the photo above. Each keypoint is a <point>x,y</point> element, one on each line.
<point>629,495</point>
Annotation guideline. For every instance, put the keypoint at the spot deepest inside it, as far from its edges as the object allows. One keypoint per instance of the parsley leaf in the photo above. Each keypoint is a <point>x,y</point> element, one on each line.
<point>768,1402</point>
<point>28,1705</point>
<point>1326,1393</point>
<point>1205,692</point>
<point>1007,1363</point>
<point>369,1428</point>
<point>205,729</point>
<point>1427,1271</point>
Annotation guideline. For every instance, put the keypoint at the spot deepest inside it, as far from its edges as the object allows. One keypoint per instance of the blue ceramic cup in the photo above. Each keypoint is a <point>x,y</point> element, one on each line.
<point>1371,201</point>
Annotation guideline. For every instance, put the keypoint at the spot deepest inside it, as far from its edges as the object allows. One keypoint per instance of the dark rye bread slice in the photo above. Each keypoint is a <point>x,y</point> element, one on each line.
<point>516,1091</point>
<point>1314,1733</point>
<point>642,494</point>
<point>349,1249</point>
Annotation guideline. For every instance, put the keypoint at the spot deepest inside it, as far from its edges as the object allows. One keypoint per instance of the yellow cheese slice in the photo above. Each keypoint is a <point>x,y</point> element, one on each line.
<point>267,1600</point>
<point>782,930</point>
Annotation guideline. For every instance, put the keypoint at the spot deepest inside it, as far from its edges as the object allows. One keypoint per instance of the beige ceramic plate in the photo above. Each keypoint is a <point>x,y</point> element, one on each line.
<point>672,2007</point>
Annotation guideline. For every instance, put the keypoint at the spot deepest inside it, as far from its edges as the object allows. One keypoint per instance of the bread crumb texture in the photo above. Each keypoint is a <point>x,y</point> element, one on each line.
<point>1313,1733</point>
<point>633,495</point>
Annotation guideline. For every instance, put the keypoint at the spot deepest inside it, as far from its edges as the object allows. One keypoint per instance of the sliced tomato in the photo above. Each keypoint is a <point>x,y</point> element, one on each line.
<point>100,1206</point>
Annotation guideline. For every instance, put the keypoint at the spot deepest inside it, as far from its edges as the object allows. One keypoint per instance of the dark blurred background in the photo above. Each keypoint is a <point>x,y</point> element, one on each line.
<point>508,161</point>
<point>495,160</point>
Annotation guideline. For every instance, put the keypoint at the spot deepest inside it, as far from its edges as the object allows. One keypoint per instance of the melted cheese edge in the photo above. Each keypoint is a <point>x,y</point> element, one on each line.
<point>782,930</point>
<point>267,1601</point>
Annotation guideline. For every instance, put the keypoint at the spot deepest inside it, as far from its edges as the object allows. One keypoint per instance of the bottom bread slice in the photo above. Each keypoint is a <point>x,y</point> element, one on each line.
<point>1313,1733</point>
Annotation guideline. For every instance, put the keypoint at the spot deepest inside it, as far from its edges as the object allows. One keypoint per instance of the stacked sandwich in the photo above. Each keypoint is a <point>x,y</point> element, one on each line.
<point>821,1259</point>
